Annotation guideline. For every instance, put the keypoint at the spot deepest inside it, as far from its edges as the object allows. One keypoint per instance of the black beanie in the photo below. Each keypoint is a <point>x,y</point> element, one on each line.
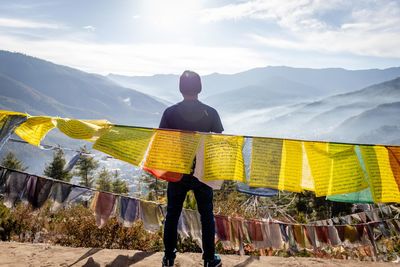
<point>190,83</point>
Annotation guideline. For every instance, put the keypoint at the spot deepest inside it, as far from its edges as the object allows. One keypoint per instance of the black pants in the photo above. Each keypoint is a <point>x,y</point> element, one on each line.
<point>176,195</point>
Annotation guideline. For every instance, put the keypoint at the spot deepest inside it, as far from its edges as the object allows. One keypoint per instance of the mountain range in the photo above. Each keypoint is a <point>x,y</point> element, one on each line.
<point>345,117</point>
<point>320,104</point>
<point>40,87</point>
<point>313,82</point>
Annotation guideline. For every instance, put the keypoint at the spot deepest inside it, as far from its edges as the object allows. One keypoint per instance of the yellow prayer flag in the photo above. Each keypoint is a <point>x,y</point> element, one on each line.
<point>382,180</point>
<point>347,175</point>
<point>276,163</point>
<point>335,168</point>
<point>127,144</point>
<point>265,165</point>
<point>223,158</point>
<point>291,166</point>
<point>81,129</point>
<point>34,129</point>
<point>172,151</point>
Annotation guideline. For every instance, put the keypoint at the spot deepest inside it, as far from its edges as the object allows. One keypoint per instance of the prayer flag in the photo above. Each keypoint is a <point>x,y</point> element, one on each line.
<point>384,187</point>
<point>335,168</point>
<point>35,129</point>
<point>173,151</point>
<point>127,144</point>
<point>223,158</point>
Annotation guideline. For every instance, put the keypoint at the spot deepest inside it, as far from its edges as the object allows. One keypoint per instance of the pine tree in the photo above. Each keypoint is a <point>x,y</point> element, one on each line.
<point>157,188</point>
<point>55,169</point>
<point>104,181</point>
<point>86,166</point>
<point>12,162</point>
<point>119,186</point>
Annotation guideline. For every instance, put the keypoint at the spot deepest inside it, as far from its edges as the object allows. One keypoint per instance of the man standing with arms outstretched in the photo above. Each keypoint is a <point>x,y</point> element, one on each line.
<point>190,115</point>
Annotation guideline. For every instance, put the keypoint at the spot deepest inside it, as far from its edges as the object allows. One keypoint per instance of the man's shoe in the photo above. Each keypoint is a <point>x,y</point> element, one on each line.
<point>216,262</point>
<point>167,262</point>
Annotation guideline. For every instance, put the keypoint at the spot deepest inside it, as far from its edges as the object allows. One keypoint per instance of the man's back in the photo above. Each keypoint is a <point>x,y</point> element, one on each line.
<point>192,115</point>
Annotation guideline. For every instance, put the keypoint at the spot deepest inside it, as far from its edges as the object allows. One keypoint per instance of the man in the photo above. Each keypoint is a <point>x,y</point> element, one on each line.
<point>190,115</point>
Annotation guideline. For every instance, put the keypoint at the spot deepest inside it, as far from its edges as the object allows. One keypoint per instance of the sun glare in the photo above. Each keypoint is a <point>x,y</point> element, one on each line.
<point>170,15</point>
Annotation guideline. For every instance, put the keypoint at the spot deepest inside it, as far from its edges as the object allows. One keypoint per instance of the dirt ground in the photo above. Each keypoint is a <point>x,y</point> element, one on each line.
<point>26,254</point>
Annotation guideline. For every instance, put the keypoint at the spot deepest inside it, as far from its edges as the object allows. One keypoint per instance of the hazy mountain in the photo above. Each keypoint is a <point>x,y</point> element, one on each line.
<point>382,117</point>
<point>328,81</point>
<point>18,96</point>
<point>270,92</point>
<point>162,86</point>
<point>291,102</point>
<point>387,134</point>
<point>41,87</point>
<point>321,117</point>
<point>351,117</point>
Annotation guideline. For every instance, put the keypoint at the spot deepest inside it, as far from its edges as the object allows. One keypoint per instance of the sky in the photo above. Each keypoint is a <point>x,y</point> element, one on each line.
<point>147,37</point>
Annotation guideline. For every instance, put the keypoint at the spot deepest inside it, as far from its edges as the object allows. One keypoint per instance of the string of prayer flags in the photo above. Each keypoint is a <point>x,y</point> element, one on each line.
<point>223,158</point>
<point>127,144</point>
<point>276,163</point>
<point>335,168</point>
<point>173,151</point>
<point>234,232</point>
<point>382,180</point>
<point>343,171</point>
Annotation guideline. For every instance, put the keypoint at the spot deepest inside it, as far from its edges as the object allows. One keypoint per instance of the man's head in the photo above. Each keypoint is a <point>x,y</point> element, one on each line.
<point>190,83</point>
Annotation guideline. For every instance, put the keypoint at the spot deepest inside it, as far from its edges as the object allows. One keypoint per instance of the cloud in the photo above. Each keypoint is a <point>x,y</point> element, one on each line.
<point>136,59</point>
<point>293,14</point>
<point>89,28</point>
<point>384,44</point>
<point>366,28</point>
<point>335,33</point>
<point>27,24</point>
